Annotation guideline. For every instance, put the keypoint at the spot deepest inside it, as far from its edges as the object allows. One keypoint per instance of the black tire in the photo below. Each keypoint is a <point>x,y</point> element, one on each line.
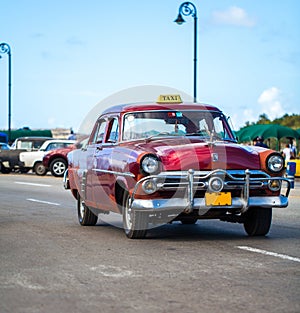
<point>58,167</point>
<point>39,169</point>
<point>4,170</point>
<point>258,221</point>
<point>24,170</point>
<point>85,216</point>
<point>189,221</point>
<point>135,223</point>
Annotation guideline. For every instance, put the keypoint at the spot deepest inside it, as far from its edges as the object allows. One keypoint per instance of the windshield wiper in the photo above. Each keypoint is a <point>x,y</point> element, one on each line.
<point>157,135</point>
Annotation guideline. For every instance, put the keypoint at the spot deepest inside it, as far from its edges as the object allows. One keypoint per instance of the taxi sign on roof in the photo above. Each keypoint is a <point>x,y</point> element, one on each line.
<point>169,99</point>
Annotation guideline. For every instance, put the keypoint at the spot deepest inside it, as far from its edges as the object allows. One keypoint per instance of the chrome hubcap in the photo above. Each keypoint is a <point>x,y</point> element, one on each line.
<point>59,168</point>
<point>82,209</point>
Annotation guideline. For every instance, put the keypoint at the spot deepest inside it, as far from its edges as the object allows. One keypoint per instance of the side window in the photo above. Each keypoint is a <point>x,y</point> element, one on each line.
<point>204,128</point>
<point>51,146</point>
<point>99,135</point>
<point>24,145</point>
<point>57,145</point>
<point>113,132</point>
<point>219,128</point>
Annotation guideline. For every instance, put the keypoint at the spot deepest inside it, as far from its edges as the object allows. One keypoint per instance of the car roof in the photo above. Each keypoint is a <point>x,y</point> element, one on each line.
<point>134,107</point>
<point>60,140</point>
<point>33,138</point>
<point>48,142</point>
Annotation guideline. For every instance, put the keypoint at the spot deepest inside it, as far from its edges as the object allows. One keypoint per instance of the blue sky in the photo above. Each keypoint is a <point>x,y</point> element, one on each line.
<point>67,56</point>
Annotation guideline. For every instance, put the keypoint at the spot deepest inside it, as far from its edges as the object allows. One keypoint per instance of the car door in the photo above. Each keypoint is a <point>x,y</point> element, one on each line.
<point>88,162</point>
<point>103,176</point>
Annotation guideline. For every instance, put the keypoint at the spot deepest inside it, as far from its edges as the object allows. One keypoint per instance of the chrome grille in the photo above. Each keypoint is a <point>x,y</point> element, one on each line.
<point>232,179</point>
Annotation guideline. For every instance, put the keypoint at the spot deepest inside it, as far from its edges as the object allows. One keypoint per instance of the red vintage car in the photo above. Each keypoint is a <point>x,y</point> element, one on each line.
<point>56,160</point>
<point>171,161</point>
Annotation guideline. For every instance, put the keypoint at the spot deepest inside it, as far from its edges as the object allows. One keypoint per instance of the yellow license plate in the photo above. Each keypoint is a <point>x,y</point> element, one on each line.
<point>217,198</point>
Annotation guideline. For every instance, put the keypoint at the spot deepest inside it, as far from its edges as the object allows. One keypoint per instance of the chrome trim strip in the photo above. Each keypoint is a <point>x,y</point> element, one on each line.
<point>202,186</point>
<point>83,184</point>
<point>114,172</point>
<point>190,191</point>
<point>206,174</point>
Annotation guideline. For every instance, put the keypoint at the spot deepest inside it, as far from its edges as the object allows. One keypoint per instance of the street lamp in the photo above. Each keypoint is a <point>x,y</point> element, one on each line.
<point>186,9</point>
<point>5,48</point>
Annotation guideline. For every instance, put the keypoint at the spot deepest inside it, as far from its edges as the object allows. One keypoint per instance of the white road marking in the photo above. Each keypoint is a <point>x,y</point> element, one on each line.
<point>113,271</point>
<point>41,201</point>
<point>277,255</point>
<point>31,184</point>
<point>21,280</point>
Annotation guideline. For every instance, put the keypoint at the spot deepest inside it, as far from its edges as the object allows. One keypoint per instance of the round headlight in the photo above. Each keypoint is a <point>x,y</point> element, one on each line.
<point>150,164</point>
<point>275,163</point>
<point>274,185</point>
<point>149,186</point>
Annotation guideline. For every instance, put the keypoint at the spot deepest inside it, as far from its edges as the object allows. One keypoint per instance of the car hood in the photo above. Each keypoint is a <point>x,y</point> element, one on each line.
<point>190,153</point>
<point>63,151</point>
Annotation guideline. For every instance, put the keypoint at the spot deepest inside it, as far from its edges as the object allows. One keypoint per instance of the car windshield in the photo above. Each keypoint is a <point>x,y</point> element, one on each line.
<point>206,125</point>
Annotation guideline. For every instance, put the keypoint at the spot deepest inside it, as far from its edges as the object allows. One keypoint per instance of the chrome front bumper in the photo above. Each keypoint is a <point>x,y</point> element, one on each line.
<point>191,181</point>
<point>179,205</point>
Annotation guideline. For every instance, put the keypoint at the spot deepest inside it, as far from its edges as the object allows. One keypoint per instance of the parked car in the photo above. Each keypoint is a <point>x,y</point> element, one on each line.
<point>34,159</point>
<point>171,161</point>
<point>10,159</point>
<point>29,143</point>
<point>4,146</point>
<point>56,160</point>
<point>3,137</point>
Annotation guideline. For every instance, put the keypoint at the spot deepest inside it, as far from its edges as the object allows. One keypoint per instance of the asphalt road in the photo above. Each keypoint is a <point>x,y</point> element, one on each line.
<point>49,263</point>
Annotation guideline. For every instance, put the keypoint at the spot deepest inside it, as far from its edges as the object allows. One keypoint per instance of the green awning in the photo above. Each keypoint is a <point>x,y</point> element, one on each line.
<point>266,131</point>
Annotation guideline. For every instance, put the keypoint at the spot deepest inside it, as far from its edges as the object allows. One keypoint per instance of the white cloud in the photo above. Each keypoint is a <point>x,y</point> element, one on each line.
<point>249,114</point>
<point>270,103</point>
<point>239,117</point>
<point>233,16</point>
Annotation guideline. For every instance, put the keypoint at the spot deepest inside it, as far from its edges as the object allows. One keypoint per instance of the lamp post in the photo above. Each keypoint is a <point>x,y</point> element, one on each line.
<point>5,48</point>
<point>186,9</point>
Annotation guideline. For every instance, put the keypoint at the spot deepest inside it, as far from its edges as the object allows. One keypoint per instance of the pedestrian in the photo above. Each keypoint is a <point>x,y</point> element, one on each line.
<point>293,149</point>
<point>259,142</point>
<point>287,152</point>
<point>72,135</point>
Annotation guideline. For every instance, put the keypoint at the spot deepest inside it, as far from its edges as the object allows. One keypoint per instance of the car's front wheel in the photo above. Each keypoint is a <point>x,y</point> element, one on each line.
<point>189,221</point>
<point>258,221</point>
<point>135,223</point>
<point>85,216</point>
<point>58,167</point>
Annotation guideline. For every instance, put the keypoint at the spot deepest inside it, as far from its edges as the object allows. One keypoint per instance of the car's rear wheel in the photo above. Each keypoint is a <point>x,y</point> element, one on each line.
<point>24,170</point>
<point>85,216</point>
<point>39,169</point>
<point>258,221</point>
<point>135,223</point>
<point>4,170</point>
<point>58,167</point>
